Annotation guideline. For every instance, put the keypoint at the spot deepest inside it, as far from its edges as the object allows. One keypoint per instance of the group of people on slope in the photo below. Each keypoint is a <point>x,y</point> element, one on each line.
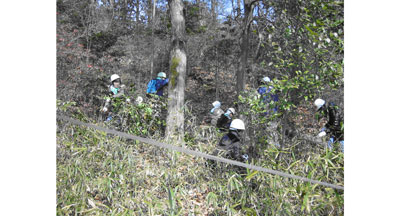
<point>116,90</point>
<point>335,119</point>
<point>219,118</point>
<point>231,142</point>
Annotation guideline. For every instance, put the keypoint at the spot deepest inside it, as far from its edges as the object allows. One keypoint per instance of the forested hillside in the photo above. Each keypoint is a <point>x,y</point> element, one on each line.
<point>210,51</point>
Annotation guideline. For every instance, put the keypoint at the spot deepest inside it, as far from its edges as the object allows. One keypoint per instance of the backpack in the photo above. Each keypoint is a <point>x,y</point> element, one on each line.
<point>231,144</point>
<point>228,139</point>
<point>151,87</point>
<point>215,115</point>
<point>225,141</point>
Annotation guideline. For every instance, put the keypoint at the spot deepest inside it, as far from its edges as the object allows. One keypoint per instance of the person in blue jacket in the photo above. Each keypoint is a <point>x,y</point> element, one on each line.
<point>156,86</point>
<point>265,93</point>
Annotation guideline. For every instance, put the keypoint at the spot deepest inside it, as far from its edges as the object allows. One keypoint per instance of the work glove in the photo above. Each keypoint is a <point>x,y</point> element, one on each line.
<point>321,134</point>
<point>139,100</point>
<point>104,109</point>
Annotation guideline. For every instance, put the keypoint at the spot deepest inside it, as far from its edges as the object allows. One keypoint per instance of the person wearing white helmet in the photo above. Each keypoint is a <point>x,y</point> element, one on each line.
<point>155,86</point>
<point>116,89</point>
<point>333,127</point>
<point>318,103</point>
<point>214,114</point>
<point>266,80</point>
<point>265,93</point>
<point>231,142</point>
<point>225,120</point>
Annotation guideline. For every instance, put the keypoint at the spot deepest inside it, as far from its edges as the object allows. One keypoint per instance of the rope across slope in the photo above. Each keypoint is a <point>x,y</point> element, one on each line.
<point>196,153</point>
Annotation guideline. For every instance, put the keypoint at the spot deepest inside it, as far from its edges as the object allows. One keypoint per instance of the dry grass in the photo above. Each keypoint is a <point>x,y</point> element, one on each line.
<point>106,175</point>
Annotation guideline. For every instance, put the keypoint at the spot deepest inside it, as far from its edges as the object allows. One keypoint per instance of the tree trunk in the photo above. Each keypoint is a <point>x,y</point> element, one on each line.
<point>244,50</point>
<point>216,76</point>
<point>202,14</point>
<point>233,13</point>
<point>214,11</point>
<point>238,8</point>
<point>176,86</point>
<point>137,12</point>
<point>244,47</point>
<point>152,39</point>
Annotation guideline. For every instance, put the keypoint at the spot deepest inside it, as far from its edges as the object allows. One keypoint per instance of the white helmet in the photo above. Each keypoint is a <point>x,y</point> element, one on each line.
<point>319,103</point>
<point>237,124</point>
<point>266,79</point>
<point>232,110</point>
<point>114,77</point>
<point>162,75</point>
<point>139,100</point>
<point>216,104</point>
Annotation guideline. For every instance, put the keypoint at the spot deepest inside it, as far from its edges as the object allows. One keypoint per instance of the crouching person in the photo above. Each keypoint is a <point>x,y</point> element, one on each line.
<point>231,143</point>
<point>225,120</point>
<point>333,127</point>
<point>116,90</point>
<point>215,113</point>
<point>156,86</point>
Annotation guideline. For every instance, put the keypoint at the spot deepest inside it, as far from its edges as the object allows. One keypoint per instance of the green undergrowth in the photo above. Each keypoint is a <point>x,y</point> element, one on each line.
<point>100,174</point>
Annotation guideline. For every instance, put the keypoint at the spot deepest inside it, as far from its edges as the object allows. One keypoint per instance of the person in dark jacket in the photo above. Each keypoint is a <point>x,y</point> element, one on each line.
<point>335,121</point>
<point>231,144</point>
<point>225,120</point>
